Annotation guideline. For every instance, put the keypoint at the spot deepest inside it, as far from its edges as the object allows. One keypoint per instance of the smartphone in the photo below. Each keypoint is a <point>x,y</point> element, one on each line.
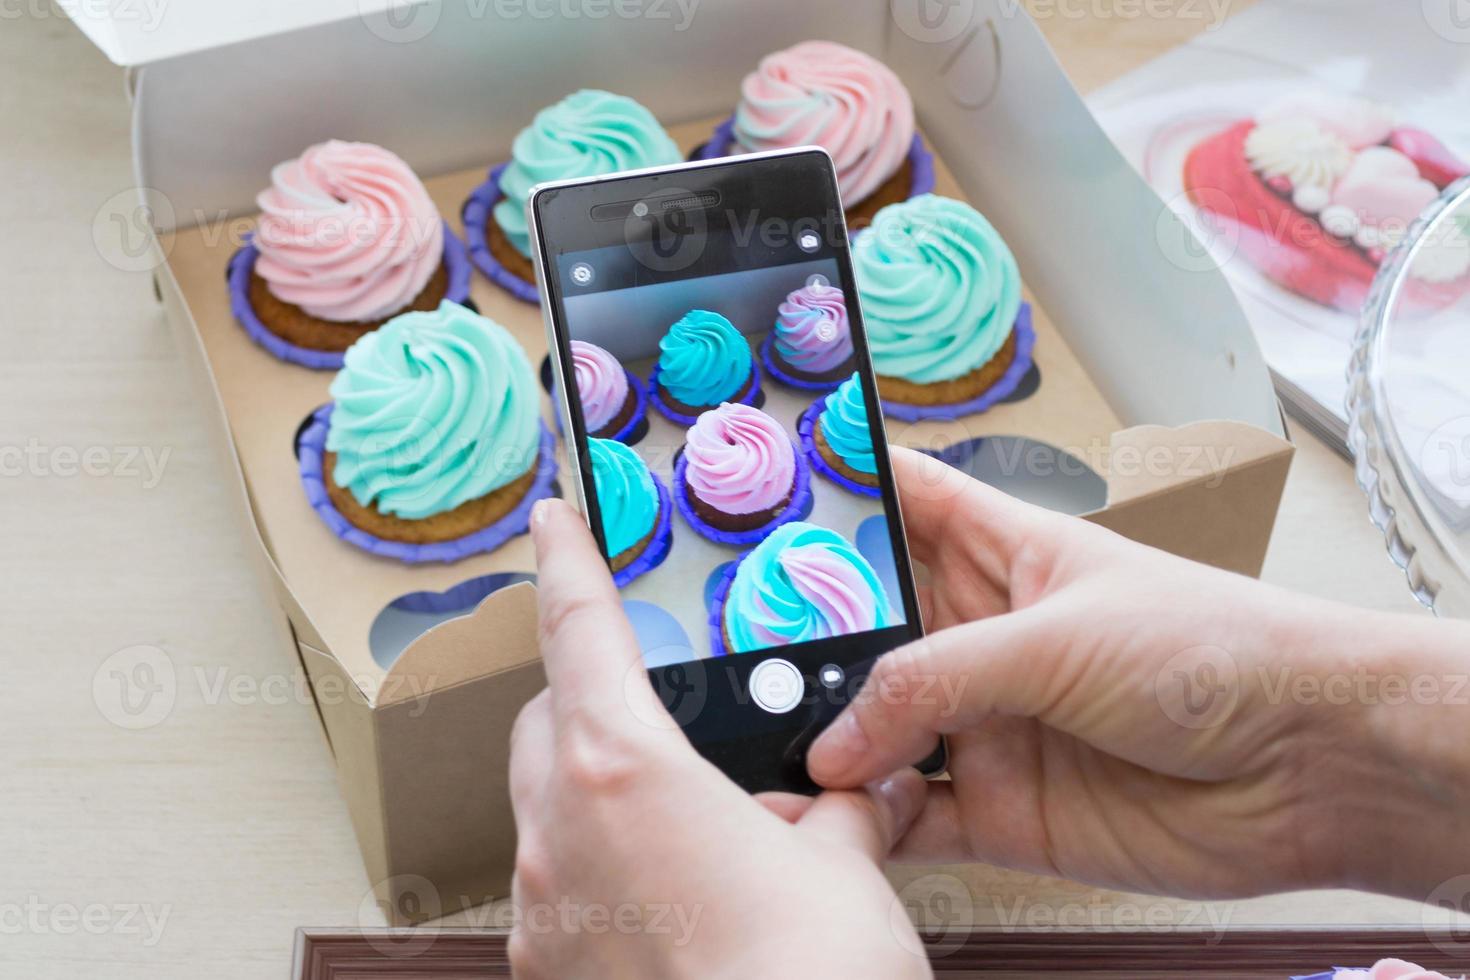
<point>701,319</point>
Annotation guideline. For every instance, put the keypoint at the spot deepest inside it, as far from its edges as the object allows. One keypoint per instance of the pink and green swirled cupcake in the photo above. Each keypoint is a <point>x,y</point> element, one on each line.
<point>611,396</point>
<point>810,345</point>
<point>740,475</point>
<point>802,583</point>
<point>348,238</point>
<point>847,102</point>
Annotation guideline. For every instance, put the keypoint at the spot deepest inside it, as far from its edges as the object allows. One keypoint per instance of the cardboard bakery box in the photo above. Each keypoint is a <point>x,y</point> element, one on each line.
<point>1150,410</point>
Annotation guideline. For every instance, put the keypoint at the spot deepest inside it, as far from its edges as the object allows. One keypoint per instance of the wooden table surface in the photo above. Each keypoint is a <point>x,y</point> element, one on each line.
<point>145,846</point>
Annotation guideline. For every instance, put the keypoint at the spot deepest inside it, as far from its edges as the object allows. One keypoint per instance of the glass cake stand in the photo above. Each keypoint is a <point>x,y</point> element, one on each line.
<point>1409,408</point>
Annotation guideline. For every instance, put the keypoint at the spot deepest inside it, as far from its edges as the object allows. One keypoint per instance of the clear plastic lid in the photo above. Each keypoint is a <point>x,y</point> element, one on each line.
<point>1409,403</point>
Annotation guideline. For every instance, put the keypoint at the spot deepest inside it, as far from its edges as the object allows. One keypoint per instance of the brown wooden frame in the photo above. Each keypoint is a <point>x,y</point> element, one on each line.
<point>1242,954</point>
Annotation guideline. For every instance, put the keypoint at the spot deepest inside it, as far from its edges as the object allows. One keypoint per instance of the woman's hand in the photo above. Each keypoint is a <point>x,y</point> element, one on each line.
<point>1123,717</point>
<point>637,858</point>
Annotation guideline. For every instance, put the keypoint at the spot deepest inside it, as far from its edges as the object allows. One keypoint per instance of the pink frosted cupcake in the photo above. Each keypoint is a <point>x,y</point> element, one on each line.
<point>1382,970</point>
<point>348,238</point>
<point>612,398</point>
<point>740,475</point>
<point>847,102</point>
<point>811,344</point>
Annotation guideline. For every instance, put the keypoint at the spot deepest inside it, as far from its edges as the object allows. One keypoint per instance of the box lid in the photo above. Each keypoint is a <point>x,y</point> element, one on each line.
<point>136,32</point>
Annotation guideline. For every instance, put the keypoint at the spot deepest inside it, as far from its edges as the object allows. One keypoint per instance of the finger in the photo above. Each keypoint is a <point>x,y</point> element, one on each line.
<point>999,821</point>
<point>587,644</point>
<point>940,502</point>
<point>871,819</point>
<point>790,807</point>
<point>532,750</point>
<point>945,682</point>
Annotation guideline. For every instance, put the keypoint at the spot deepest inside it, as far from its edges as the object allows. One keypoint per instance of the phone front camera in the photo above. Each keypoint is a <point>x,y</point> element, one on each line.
<point>640,210</point>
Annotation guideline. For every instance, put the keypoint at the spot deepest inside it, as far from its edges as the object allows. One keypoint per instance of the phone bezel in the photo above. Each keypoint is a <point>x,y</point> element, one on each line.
<point>738,735</point>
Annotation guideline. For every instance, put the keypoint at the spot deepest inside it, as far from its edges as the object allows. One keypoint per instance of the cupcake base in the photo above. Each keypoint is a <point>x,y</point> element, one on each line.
<point>824,460</point>
<point>694,511</point>
<point>292,334</point>
<point>626,422</point>
<point>971,394</point>
<point>465,519</point>
<point>649,553</point>
<point>914,177</point>
<point>796,378</point>
<point>507,514</point>
<point>681,414</point>
<point>490,251</point>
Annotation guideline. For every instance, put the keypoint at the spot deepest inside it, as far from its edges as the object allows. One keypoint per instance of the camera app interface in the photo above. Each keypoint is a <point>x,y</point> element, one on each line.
<point>731,447</point>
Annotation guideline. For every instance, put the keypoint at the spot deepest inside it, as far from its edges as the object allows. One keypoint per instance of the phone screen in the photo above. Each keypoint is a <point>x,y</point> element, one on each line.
<point>719,394</point>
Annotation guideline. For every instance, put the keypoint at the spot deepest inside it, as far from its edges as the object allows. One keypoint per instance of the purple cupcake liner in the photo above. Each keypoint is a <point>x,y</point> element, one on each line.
<point>717,609</point>
<point>1007,383</point>
<point>640,410</point>
<point>921,161</point>
<point>806,428</point>
<point>311,447</point>
<point>658,548</point>
<point>242,263</point>
<point>801,498</point>
<point>474,215</point>
<point>774,368</point>
<point>750,398</point>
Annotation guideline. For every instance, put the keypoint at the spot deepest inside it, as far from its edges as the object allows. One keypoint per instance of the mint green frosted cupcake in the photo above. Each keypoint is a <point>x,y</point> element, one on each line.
<point>941,300</point>
<point>586,134</point>
<point>703,361</point>
<point>434,434</point>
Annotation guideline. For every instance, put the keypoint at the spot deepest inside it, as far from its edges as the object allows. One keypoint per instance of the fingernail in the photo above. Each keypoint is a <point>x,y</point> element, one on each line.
<point>835,750</point>
<point>538,512</point>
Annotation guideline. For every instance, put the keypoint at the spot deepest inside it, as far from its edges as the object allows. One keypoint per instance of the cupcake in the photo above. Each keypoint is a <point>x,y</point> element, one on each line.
<point>811,344</point>
<point>1318,188</point>
<point>703,361</point>
<point>837,439</point>
<point>636,516</point>
<point>586,134</point>
<point>846,102</point>
<point>739,476</point>
<point>433,447</point>
<point>611,397</point>
<point>941,300</point>
<point>1382,970</point>
<point>348,238</point>
<point>802,583</point>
